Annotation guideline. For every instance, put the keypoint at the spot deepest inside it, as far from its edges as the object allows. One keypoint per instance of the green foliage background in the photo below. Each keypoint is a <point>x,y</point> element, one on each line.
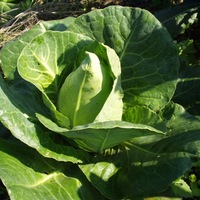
<point>182,22</point>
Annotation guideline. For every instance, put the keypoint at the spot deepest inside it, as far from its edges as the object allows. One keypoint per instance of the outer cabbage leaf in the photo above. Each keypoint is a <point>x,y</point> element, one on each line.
<point>57,25</point>
<point>188,87</point>
<point>28,175</point>
<point>144,115</point>
<point>127,172</point>
<point>99,136</point>
<point>61,119</point>
<point>12,50</point>
<point>18,115</point>
<point>177,19</point>
<point>148,56</point>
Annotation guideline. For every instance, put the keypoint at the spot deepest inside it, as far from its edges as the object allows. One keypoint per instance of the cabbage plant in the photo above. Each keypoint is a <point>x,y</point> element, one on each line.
<point>88,111</point>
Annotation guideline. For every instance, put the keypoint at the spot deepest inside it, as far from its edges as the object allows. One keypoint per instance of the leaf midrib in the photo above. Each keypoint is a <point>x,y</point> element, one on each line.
<point>48,69</point>
<point>78,100</point>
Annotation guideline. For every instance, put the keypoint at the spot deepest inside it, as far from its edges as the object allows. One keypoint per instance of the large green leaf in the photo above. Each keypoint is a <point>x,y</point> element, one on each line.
<point>187,91</point>
<point>144,115</point>
<point>148,56</point>
<point>57,25</point>
<point>28,175</point>
<point>99,136</point>
<point>19,117</point>
<point>178,19</point>
<point>11,51</point>
<point>145,166</point>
